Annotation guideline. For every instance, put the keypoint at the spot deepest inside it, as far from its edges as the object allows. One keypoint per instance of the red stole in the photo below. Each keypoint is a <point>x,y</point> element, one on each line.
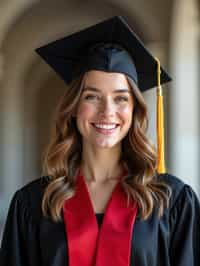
<point>89,246</point>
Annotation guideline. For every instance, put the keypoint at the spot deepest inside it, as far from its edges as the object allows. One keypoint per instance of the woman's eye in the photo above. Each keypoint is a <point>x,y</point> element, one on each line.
<point>122,99</point>
<point>91,97</point>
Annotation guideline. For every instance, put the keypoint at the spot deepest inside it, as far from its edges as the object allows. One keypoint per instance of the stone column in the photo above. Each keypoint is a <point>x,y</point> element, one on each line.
<point>184,93</point>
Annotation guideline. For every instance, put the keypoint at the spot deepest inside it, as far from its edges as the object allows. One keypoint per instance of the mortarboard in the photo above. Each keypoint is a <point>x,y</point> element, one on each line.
<point>110,46</point>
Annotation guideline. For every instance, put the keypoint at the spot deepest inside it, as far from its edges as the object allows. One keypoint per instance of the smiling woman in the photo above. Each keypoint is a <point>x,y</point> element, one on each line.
<point>104,115</point>
<point>102,193</point>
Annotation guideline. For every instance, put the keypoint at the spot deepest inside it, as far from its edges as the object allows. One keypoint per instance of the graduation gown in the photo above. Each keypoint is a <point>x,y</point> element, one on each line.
<point>29,239</point>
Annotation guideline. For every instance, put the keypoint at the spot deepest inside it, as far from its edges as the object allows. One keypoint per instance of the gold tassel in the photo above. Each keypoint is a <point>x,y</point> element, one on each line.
<point>160,126</point>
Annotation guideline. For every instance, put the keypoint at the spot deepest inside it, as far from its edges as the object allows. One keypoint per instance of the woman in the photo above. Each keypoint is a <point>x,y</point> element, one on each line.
<point>103,201</point>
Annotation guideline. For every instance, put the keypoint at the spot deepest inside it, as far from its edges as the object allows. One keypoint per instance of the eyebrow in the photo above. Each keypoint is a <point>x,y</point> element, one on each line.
<point>88,88</point>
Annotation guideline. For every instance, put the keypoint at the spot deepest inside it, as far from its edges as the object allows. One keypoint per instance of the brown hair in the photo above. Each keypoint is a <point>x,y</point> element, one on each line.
<point>62,158</point>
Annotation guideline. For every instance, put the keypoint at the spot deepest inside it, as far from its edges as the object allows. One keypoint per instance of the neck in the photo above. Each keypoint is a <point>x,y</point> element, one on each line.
<point>101,165</point>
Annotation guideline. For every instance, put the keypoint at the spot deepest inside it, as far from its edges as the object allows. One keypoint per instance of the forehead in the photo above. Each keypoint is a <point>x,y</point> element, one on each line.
<point>106,80</point>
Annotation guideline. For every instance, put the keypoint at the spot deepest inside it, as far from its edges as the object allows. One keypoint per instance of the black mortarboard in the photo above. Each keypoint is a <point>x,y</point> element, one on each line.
<point>100,47</point>
<point>110,46</point>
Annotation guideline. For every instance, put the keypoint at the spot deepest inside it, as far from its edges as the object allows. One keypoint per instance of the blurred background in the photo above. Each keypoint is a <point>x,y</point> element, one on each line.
<point>29,89</point>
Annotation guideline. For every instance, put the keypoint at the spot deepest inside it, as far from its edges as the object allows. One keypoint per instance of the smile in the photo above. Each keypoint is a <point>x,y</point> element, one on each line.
<point>105,126</point>
<point>106,129</point>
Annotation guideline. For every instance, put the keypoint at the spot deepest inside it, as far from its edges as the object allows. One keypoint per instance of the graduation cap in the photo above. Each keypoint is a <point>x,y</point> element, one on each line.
<point>110,46</point>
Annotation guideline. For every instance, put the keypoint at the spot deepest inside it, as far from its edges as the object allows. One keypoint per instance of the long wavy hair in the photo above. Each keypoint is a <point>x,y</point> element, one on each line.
<point>62,158</point>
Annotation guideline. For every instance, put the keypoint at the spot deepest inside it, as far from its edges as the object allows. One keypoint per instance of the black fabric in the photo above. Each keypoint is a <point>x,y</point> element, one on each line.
<point>110,46</point>
<point>29,239</point>
<point>99,217</point>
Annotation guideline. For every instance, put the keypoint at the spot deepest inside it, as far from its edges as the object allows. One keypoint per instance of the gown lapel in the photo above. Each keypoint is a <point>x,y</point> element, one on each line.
<point>87,244</point>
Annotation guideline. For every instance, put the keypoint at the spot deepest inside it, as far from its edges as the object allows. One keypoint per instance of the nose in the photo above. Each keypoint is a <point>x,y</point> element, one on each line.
<point>107,107</point>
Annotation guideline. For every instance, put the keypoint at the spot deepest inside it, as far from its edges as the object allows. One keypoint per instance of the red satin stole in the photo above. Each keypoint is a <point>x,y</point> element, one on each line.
<point>87,244</point>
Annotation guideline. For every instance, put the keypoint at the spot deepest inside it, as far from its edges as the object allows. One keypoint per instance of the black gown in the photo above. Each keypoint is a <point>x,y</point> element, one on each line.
<point>29,239</point>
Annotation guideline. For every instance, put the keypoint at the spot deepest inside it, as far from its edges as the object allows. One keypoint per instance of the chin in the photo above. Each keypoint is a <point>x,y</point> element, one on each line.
<point>106,145</point>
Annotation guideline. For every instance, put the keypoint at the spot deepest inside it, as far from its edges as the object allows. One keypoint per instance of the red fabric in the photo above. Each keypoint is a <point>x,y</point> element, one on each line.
<point>89,246</point>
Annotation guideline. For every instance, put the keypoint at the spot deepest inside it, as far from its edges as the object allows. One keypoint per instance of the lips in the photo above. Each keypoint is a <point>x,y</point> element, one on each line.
<point>105,123</point>
<point>106,129</point>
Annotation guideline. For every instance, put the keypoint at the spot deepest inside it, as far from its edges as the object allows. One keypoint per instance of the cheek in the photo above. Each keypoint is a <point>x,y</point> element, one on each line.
<point>126,112</point>
<point>85,111</point>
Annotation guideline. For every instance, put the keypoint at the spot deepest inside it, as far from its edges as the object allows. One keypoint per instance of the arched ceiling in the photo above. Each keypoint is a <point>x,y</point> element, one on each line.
<point>153,16</point>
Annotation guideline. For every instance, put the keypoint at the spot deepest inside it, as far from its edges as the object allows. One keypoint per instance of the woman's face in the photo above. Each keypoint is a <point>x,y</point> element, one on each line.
<point>104,112</point>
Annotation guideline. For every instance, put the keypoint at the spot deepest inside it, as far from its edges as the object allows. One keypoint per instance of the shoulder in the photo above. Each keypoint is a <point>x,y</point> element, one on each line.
<point>181,192</point>
<point>28,199</point>
<point>175,183</point>
<point>35,187</point>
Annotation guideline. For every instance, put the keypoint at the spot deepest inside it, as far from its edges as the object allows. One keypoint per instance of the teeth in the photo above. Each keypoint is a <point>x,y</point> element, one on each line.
<point>105,126</point>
